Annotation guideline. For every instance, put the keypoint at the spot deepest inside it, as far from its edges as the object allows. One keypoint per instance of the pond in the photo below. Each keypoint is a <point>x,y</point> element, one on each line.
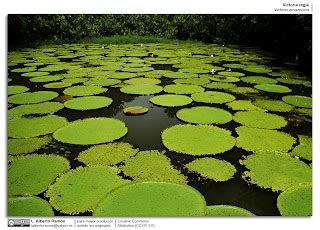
<point>251,119</point>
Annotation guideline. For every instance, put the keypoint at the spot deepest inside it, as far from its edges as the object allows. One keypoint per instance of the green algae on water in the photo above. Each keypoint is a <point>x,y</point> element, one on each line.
<point>171,100</point>
<point>18,146</point>
<point>227,210</point>
<point>28,206</point>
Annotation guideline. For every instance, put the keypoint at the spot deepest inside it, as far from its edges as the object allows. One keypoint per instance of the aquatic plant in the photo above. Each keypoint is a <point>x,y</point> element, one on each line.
<point>273,88</point>
<point>243,90</point>
<point>227,210</point>
<point>257,69</point>
<point>299,101</point>
<point>28,206</point>
<point>171,100</point>
<point>180,75</point>
<point>235,65</point>
<point>259,80</point>
<point>197,139</point>
<point>277,171</point>
<point>141,89</point>
<point>32,97</point>
<point>88,103</point>
<point>224,78</point>
<point>220,85</point>
<point>35,74</point>
<point>192,81</point>
<point>32,174</point>
<point>91,131</point>
<point>26,145</point>
<point>122,75</point>
<point>142,81</point>
<point>152,199</point>
<point>84,90</point>
<point>24,70</point>
<point>57,85</point>
<point>213,97</point>
<point>52,68</point>
<point>244,105</point>
<point>135,110</point>
<point>273,105</point>
<point>303,111</point>
<point>137,69</point>
<point>16,89</point>
<point>102,82</point>
<point>231,74</point>
<point>291,81</point>
<point>81,189</point>
<point>75,80</point>
<point>194,70</point>
<point>304,149</point>
<point>47,78</point>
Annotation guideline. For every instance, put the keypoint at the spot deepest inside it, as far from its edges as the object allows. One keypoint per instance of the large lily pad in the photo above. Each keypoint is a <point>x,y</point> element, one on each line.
<point>197,139</point>
<point>26,145</point>
<point>102,82</point>
<point>259,80</point>
<point>142,81</point>
<point>220,85</point>
<point>35,74</point>
<point>192,81</point>
<point>48,78</point>
<point>171,100</point>
<point>299,101</point>
<point>141,89</point>
<point>152,199</point>
<point>227,210</point>
<point>273,88</point>
<point>243,90</point>
<point>244,105</point>
<point>91,131</point>
<point>29,206</point>
<point>273,105</point>
<point>258,69</point>
<point>231,74</point>
<point>57,85</point>
<point>32,97</point>
<point>180,75</point>
<point>213,97</point>
<point>183,89</point>
<point>16,89</point>
<point>137,69</point>
<point>122,75</point>
<point>88,103</point>
<point>291,81</point>
<point>304,149</point>
<point>220,78</point>
<point>84,90</point>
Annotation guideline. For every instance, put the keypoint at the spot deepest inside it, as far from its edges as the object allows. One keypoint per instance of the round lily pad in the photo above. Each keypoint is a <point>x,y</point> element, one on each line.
<point>204,115</point>
<point>197,139</point>
<point>227,79</point>
<point>35,74</point>
<point>259,80</point>
<point>91,131</point>
<point>235,65</point>
<point>180,75</point>
<point>231,74</point>
<point>16,89</point>
<point>102,82</point>
<point>24,70</point>
<point>211,168</point>
<point>84,90</point>
<point>192,81</point>
<point>48,78</point>
<point>304,149</point>
<point>152,199</point>
<point>122,75</point>
<point>280,172</point>
<point>141,89</point>
<point>32,174</point>
<point>227,210</point>
<point>243,90</point>
<point>88,103</point>
<point>291,81</point>
<point>254,139</point>
<point>75,80</point>
<point>26,145</point>
<point>107,154</point>
<point>273,105</point>
<point>81,189</point>
<point>258,69</point>
<point>194,70</point>
<point>32,97</point>
<point>28,206</point>
<point>220,85</point>
<point>296,202</point>
<point>135,110</point>
<point>259,119</point>
<point>137,69</point>
<point>36,126</point>
<point>171,100</point>
<point>183,89</point>
<point>273,88</point>
<point>299,101</point>
<point>142,81</point>
<point>244,105</point>
<point>57,85</point>
<point>213,97</point>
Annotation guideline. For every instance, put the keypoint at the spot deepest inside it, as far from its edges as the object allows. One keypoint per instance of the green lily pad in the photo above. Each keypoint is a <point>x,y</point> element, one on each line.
<point>141,89</point>
<point>28,206</point>
<point>102,82</point>
<point>235,65</point>
<point>35,74</point>
<point>152,199</point>
<point>52,68</point>
<point>32,97</point>
<point>299,101</point>
<point>243,90</point>
<point>259,119</point>
<point>107,154</point>
<point>280,172</point>
<point>36,126</point>
<point>26,145</point>
<point>75,80</point>
<point>82,189</point>
<point>84,90</point>
<point>91,131</point>
<point>137,69</point>
<point>227,210</point>
<point>194,70</point>
<point>122,75</point>
<point>224,78</point>
<point>213,97</point>
<point>273,105</point>
<point>142,81</point>
<point>42,169</point>
<point>180,75</point>
<point>246,105</point>
<point>135,110</point>
<point>273,88</point>
<point>24,70</point>
<point>152,166</point>
<point>204,115</point>
<point>258,69</point>
<point>254,139</point>
<point>303,111</point>
<point>192,81</point>
<point>88,103</point>
<point>231,74</point>
<point>304,149</point>
<point>171,100</point>
<point>211,168</point>
<point>220,85</point>
<point>291,81</point>
<point>57,85</point>
<point>259,80</point>
<point>197,139</point>
<point>48,78</point>
<point>296,202</point>
<point>16,89</point>
<point>183,89</point>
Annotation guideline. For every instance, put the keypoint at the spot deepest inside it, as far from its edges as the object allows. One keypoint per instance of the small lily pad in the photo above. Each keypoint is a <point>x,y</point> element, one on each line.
<point>28,206</point>
<point>141,89</point>
<point>259,80</point>
<point>32,97</point>
<point>304,149</point>
<point>183,89</point>
<point>227,210</point>
<point>26,145</point>
<point>84,90</point>
<point>171,100</point>
<point>299,101</point>
<point>135,110</point>
<point>246,105</point>
<point>273,105</point>
<point>213,97</point>
<point>273,88</point>
<point>16,89</point>
<point>88,103</point>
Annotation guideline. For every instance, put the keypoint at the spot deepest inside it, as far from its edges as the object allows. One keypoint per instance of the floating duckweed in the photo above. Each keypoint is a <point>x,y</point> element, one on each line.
<point>16,89</point>
<point>35,74</point>
<point>142,81</point>
<point>152,166</point>
<point>135,110</point>
<point>204,115</point>
<point>299,101</point>
<point>91,131</point>
<point>211,168</point>
<point>87,103</point>
<point>171,100</point>
<point>46,78</point>
<point>81,189</point>
<point>197,139</point>
<point>192,81</point>
<point>41,108</point>
<point>213,97</point>
<point>220,85</point>
<point>36,126</point>
<point>304,149</point>
<point>259,80</point>
<point>259,119</point>
<point>273,105</point>
<point>296,202</point>
<point>227,210</point>
<point>257,69</point>
<point>280,172</point>
<point>152,199</point>
<point>32,174</point>
<point>107,154</point>
<point>243,90</point>
<point>102,82</point>
<point>32,97</point>
<point>180,75</point>
<point>84,90</point>
<point>26,145</point>
<point>231,74</point>
<point>28,206</point>
<point>291,81</point>
<point>224,79</point>
<point>183,89</point>
<point>244,105</point>
<point>57,85</point>
<point>273,88</point>
<point>254,139</point>
<point>141,89</point>
<point>137,69</point>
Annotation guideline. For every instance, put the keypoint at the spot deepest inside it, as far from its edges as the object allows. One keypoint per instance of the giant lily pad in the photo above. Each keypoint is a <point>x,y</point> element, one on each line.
<point>291,81</point>
<point>32,174</point>
<point>171,100</point>
<point>243,90</point>
<point>273,88</point>
<point>102,82</point>
<point>122,75</point>
<point>81,189</point>
<point>220,85</point>
<point>273,105</point>
<point>142,81</point>
<point>183,89</point>
<point>227,210</point>
<point>194,70</point>
<point>26,145</point>
<point>231,74</point>
<point>135,110</point>
<point>243,105</point>
<point>304,149</point>
<point>213,97</point>
<point>258,69</point>
<point>84,90</point>
<point>141,89</point>
<point>137,69</point>
<point>152,199</point>
<point>180,75</point>
<point>204,115</point>
<point>48,78</point>
<point>57,85</point>
<point>280,172</point>
<point>28,206</point>
<point>16,89</point>
<point>299,101</point>
<point>87,103</point>
<point>32,97</point>
<point>220,78</point>
<point>35,74</point>
<point>91,131</point>
<point>259,80</point>
<point>192,81</point>
<point>197,139</point>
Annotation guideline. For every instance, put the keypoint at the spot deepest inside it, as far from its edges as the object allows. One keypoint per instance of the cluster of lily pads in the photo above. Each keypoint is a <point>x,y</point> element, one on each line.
<point>224,100</point>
